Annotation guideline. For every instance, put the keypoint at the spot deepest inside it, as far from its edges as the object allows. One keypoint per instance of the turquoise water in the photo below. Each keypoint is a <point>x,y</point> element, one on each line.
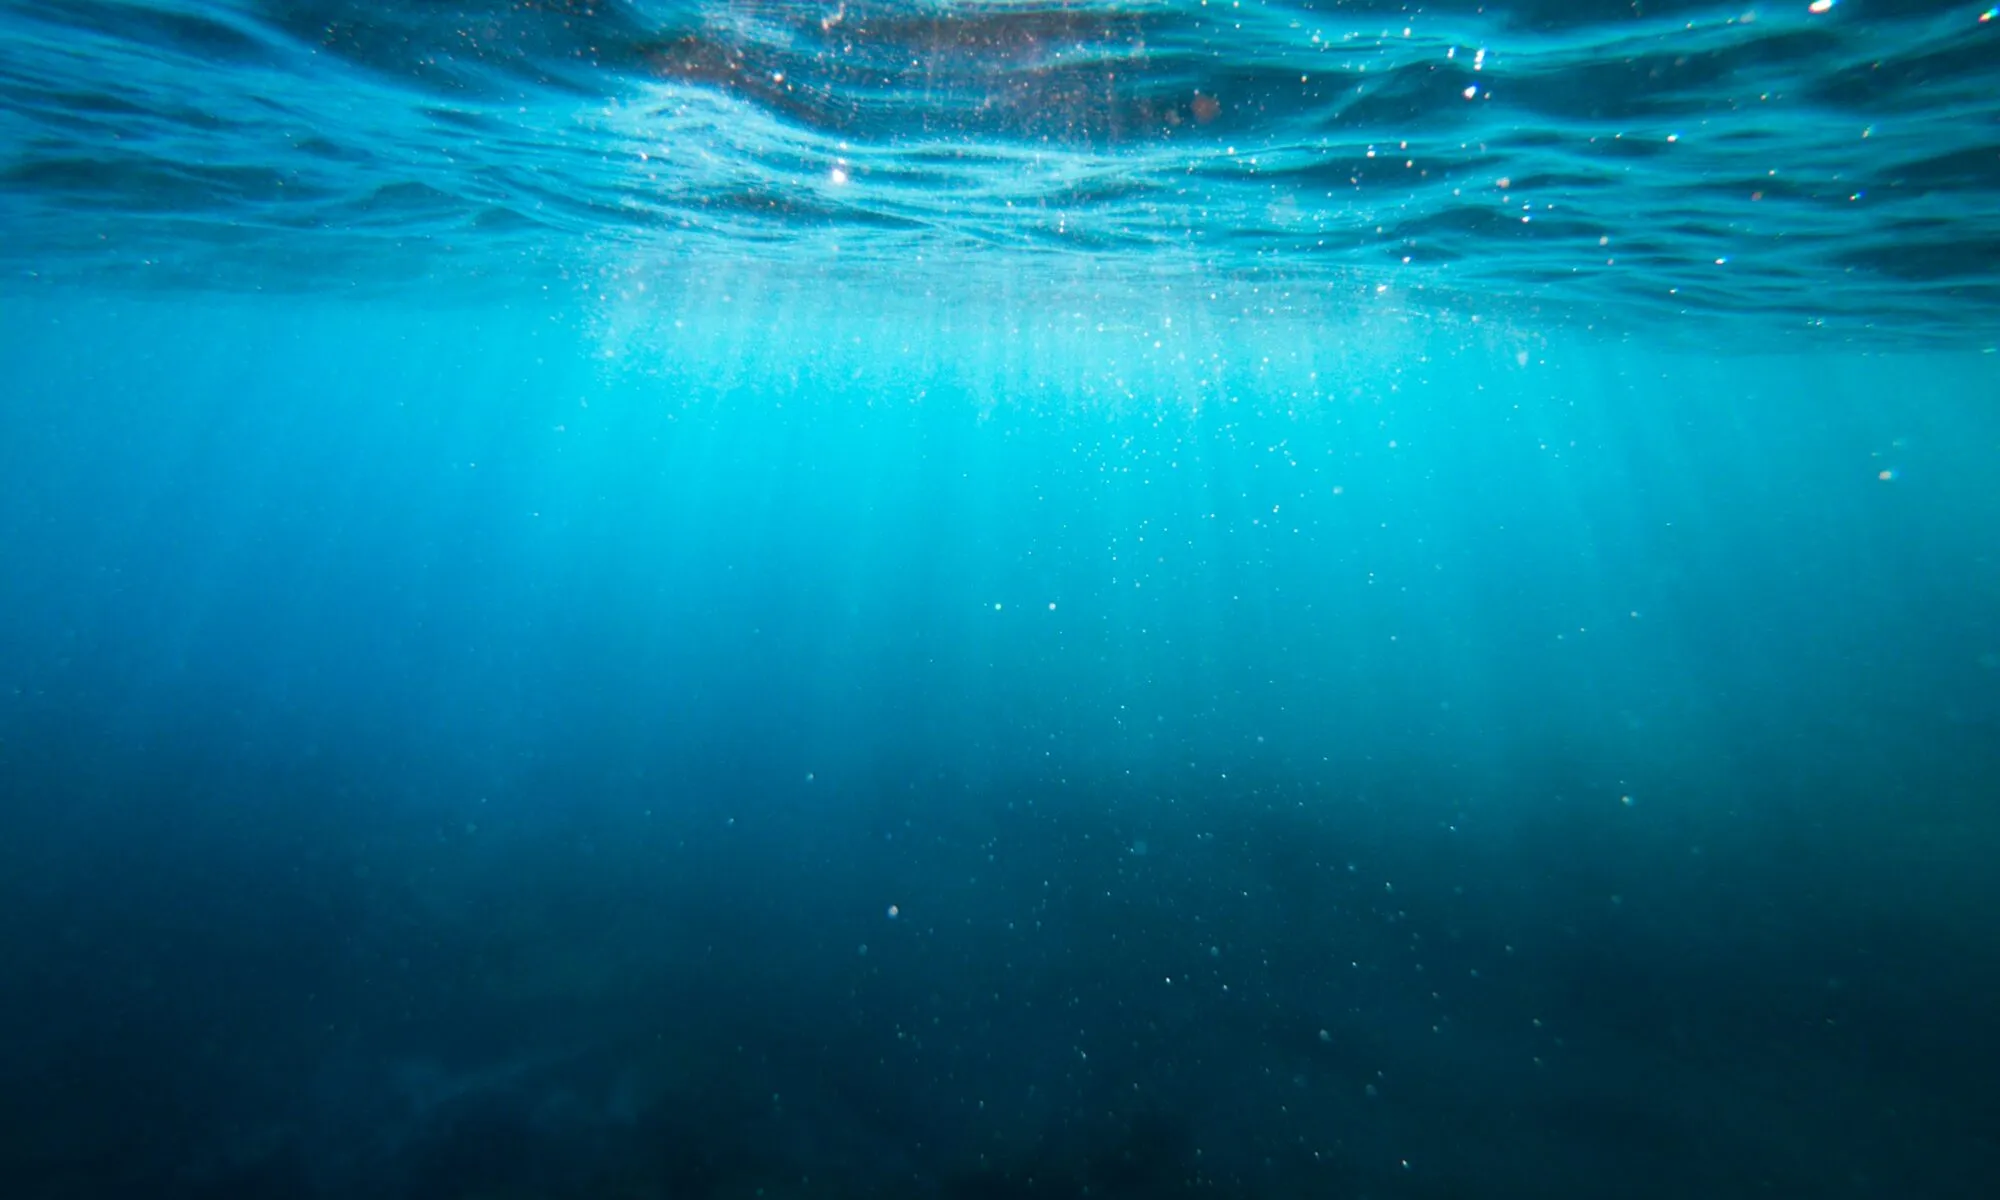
<point>969,601</point>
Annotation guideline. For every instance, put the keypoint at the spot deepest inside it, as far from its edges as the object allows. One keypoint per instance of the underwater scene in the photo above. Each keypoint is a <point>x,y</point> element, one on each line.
<point>935,600</point>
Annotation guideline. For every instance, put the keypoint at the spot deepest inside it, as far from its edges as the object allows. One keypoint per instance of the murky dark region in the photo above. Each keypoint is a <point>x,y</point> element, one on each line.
<point>957,601</point>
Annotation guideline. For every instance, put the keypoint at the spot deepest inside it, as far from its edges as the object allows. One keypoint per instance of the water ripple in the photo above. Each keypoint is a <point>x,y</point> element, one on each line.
<point>1616,162</point>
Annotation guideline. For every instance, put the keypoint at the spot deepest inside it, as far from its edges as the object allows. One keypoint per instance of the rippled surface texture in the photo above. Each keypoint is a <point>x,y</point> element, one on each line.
<point>1615,161</point>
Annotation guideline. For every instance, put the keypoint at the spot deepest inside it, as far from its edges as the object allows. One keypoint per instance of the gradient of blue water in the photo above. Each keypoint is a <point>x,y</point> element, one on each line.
<point>530,665</point>
<point>435,729</point>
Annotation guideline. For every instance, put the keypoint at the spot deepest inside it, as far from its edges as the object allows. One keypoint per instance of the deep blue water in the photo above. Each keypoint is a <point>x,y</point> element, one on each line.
<point>956,601</point>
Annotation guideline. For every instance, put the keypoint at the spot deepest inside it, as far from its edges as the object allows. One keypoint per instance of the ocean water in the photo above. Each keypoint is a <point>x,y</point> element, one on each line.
<point>1015,599</point>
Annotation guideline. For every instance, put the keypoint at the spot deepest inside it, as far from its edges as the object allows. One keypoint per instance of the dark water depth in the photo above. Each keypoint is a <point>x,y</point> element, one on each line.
<point>550,752</point>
